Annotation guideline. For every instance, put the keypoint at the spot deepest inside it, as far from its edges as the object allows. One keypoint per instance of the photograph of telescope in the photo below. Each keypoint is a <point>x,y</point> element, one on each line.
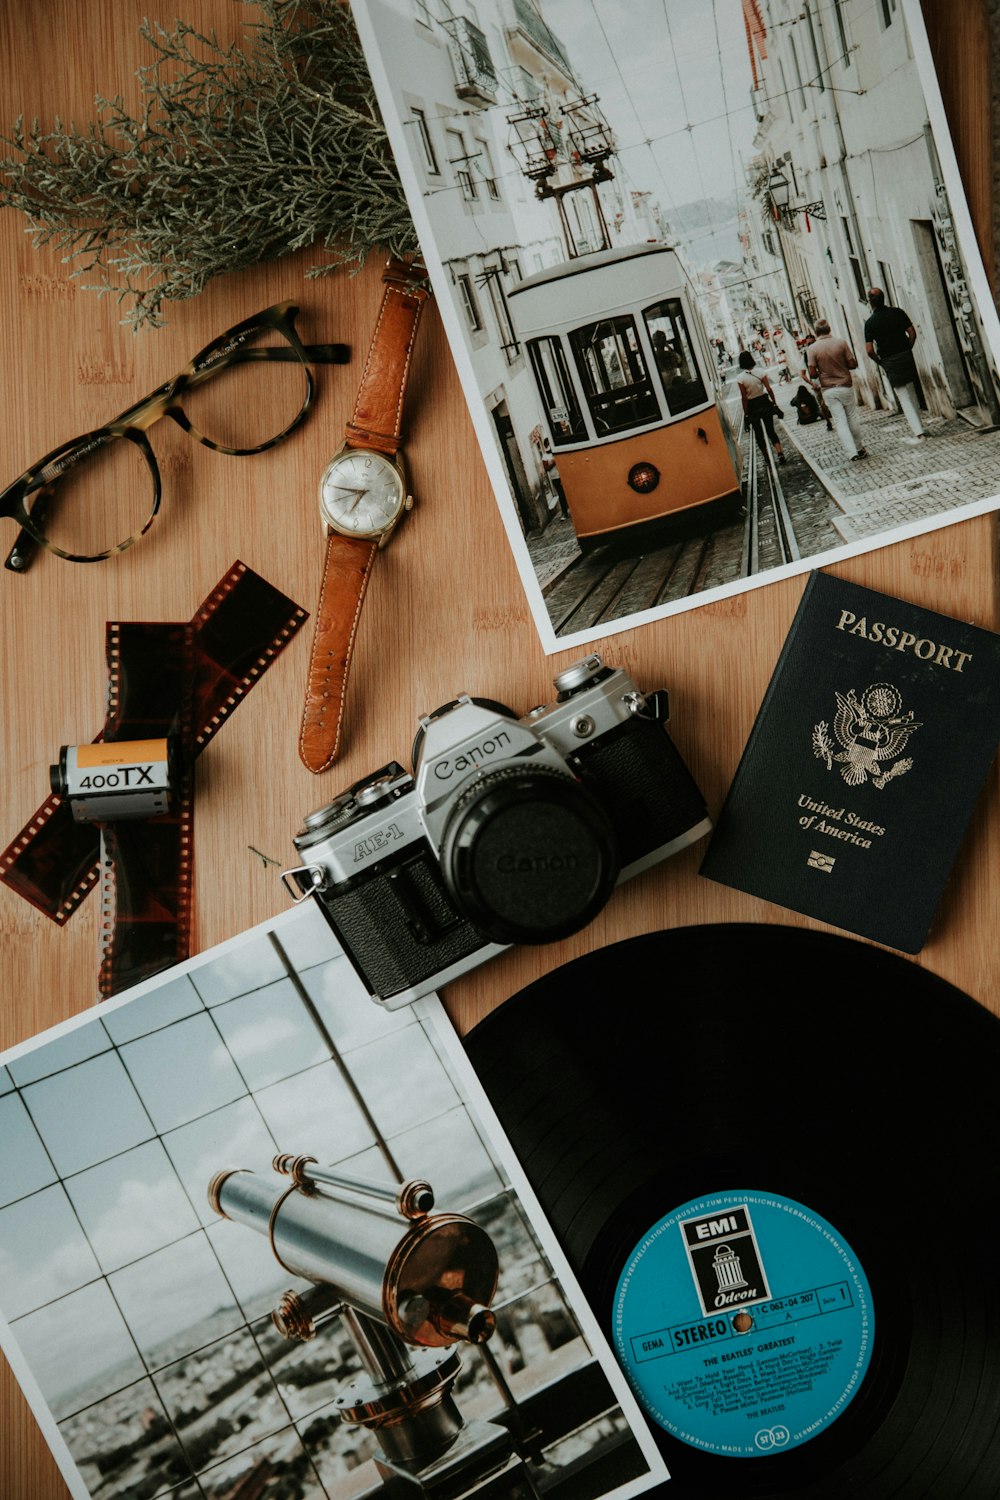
<point>260,1237</point>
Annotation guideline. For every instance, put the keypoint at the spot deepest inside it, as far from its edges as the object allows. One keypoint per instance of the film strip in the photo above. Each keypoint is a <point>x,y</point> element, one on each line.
<point>146,869</point>
<point>185,680</point>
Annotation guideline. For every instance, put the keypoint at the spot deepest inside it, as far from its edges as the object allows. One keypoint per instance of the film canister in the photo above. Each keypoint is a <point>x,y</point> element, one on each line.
<point>111,780</point>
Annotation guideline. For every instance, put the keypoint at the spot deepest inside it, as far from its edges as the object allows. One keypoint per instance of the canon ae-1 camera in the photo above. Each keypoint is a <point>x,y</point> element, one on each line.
<point>510,830</point>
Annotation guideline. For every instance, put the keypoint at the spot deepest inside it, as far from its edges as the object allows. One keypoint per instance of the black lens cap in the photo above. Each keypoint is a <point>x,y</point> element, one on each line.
<point>529,855</point>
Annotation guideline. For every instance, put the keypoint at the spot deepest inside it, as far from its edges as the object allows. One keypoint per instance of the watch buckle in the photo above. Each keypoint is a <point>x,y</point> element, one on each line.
<point>404,273</point>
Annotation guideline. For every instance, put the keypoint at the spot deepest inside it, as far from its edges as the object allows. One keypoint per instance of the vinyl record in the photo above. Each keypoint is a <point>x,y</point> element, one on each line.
<point>771,1158</point>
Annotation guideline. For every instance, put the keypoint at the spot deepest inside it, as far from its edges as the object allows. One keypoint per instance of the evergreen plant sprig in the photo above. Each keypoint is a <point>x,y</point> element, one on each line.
<point>239,154</point>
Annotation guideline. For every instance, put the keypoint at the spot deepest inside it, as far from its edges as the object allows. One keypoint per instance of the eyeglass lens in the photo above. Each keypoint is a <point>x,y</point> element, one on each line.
<point>102,491</point>
<point>246,402</point>
<point>100,495</point>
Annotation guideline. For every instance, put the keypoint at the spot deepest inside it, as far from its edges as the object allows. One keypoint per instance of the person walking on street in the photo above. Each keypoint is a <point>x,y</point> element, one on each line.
<point>552,475</point>
<point>889,339</point>
<point>824,410</point>
<point>831,361</point>
<point>759,405</point>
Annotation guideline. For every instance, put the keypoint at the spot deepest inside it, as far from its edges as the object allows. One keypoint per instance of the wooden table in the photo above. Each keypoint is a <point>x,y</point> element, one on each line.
<point>445,614</point>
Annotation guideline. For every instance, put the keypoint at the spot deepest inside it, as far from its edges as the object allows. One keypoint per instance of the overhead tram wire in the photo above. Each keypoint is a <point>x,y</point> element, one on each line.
<point>689,125</point>
<point>649,141</point>
<point>772,98</point>
<point>684,104</point>
<point>735,161</point>
<point>672,206</point>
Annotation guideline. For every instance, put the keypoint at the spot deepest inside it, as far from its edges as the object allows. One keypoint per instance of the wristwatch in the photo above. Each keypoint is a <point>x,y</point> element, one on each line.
<point>362,498</point>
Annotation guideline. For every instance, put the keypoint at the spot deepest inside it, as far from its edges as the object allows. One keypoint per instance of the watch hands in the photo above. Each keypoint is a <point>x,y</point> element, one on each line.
<point>359,495</point>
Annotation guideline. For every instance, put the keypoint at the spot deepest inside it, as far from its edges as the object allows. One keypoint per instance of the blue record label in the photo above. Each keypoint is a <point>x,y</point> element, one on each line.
<point>744,1323</point>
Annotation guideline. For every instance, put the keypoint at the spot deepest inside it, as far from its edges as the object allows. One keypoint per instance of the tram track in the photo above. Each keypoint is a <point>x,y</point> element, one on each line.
<point>608,584</point>
<point>769,539</point>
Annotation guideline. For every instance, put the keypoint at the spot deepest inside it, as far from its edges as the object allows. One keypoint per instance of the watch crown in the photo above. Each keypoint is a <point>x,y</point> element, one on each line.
<point>408,503</point>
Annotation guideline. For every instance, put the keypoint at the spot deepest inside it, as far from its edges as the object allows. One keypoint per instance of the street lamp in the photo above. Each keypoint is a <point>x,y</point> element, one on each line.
<point>779,190</point>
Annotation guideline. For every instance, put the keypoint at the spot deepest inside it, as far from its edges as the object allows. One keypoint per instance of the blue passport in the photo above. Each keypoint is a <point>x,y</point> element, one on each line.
<point>864,764</point>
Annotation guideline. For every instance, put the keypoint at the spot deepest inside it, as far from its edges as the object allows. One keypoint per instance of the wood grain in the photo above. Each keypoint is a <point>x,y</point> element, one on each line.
<point>445,612</point>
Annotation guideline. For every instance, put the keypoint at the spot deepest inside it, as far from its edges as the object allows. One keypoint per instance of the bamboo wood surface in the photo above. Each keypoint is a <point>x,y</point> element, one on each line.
<point>445,611</point>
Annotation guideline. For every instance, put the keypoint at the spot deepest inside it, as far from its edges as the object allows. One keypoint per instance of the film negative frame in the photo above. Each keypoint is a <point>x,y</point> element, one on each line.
<point>211,662</point>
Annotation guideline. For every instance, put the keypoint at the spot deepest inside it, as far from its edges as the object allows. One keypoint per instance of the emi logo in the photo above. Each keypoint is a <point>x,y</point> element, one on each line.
<point>725,1259</point>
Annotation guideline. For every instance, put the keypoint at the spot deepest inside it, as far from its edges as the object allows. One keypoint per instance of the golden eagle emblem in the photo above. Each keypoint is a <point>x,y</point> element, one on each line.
<point>872,734</point>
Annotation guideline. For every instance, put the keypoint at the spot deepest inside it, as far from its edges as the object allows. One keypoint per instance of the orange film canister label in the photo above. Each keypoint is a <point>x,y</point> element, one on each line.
<point>120,752</point>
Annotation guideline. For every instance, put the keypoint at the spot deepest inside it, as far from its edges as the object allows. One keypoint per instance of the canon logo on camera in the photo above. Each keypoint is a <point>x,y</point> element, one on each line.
<point>536,864</point>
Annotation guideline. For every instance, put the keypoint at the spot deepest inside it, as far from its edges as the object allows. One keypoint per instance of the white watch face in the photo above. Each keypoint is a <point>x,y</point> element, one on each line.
<point>361,493</point>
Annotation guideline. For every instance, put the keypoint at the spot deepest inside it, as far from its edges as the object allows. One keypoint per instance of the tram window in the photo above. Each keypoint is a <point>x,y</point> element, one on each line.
<point>613,371</point>
<point>562,409</point>
<point>680,377</point>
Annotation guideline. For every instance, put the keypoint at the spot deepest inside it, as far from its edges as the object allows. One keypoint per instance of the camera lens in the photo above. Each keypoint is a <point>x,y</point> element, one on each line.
<point>529,855</point>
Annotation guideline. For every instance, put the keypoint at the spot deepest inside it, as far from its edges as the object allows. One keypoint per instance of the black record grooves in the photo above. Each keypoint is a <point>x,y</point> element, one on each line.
<point>733,1057</point>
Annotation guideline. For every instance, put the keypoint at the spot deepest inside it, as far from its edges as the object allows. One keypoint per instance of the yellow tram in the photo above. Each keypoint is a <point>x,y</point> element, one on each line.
<point>627,385</point>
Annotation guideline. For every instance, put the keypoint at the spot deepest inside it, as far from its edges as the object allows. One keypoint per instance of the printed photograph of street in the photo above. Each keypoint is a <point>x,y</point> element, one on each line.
<point>713,307</point>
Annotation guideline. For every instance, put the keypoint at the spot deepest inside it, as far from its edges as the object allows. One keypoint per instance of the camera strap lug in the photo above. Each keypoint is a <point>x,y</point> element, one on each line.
<point>303,881</point>
<point>655,705</point>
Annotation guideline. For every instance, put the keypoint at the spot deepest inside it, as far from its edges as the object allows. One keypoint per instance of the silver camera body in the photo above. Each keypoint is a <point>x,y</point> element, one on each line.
<point>510,830</point>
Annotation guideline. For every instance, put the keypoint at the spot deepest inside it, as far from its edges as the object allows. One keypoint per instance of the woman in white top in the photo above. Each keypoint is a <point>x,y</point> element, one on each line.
<point>759,405</point>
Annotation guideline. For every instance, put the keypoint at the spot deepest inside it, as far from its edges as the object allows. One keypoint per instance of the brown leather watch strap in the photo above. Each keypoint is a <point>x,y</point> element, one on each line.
<point>346,570</point>
<point>376,422</point>
<point>378,411</point>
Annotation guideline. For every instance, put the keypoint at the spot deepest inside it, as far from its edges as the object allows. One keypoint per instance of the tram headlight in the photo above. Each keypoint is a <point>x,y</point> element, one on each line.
<point>643,477</point>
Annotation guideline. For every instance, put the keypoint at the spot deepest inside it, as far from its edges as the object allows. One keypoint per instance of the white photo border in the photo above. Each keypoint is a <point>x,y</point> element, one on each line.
<point>430,1011</point>
<point>550,641</point>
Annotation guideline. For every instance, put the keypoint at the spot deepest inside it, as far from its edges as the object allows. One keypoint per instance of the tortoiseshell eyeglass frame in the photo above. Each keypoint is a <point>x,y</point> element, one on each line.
<point>38,482</point>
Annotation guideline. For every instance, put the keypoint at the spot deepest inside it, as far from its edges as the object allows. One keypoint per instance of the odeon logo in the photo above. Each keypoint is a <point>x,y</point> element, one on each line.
<point>771,1437</point>
<point>725,1259</point>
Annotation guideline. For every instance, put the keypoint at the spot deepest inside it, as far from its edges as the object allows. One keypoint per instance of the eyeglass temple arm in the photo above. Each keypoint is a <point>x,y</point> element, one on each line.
<point>25,547</point>
<point>320,354</point>
<point>323,354</point>
<point>317,354</point>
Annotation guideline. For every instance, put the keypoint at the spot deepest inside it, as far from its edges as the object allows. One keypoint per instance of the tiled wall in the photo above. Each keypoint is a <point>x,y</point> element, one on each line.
<point>144,1317</point>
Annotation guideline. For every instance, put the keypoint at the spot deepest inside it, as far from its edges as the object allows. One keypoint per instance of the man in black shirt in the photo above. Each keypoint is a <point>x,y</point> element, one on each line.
<point>889,339</point>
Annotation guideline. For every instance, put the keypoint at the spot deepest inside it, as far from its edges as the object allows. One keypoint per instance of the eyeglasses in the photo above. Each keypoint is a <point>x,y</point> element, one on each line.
<point>91,498</point>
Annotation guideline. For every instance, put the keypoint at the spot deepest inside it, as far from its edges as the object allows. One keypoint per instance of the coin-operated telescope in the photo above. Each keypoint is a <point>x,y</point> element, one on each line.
<point>408,1285</point>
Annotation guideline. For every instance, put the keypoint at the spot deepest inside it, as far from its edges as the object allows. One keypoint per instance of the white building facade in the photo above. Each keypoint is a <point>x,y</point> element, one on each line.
<point>848,173</point>
<point>513,152</point>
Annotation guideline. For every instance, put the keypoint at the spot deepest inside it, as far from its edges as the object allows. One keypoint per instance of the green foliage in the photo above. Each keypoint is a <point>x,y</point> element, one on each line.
<point>238,155</point>
<point>758,179</point>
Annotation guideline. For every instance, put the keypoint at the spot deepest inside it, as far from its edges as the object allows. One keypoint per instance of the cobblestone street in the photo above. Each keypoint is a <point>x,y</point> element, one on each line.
<point>899,482</point>
<point>552,550</point>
